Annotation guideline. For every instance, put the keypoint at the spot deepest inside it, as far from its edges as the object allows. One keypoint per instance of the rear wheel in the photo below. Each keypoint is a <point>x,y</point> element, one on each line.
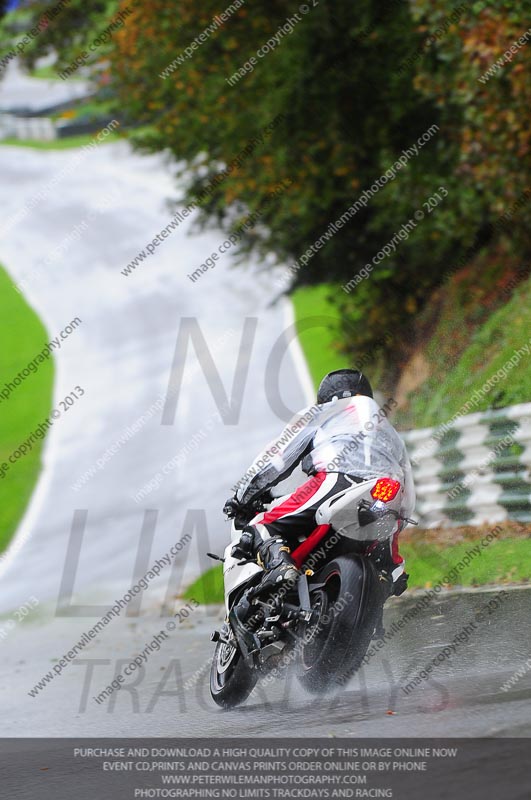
<point>231,680</point>
<point>347,608</point>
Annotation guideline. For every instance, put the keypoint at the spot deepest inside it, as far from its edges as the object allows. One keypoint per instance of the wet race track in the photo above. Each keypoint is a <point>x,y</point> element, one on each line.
<point>80,545</point>
<point>169,696</point>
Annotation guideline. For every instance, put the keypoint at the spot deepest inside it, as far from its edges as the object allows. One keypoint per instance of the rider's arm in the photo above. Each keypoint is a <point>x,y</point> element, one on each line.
<point>281,456</point>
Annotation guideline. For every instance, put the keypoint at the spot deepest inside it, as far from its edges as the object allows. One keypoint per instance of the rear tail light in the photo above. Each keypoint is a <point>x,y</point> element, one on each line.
<point>385,489</point>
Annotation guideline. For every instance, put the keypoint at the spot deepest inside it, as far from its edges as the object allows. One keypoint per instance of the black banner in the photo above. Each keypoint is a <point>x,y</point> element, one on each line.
<point>404,769</point>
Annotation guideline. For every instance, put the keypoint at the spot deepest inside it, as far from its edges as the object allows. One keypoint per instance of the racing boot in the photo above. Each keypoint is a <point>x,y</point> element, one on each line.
<point>275,557</point>
<point>390,572</point>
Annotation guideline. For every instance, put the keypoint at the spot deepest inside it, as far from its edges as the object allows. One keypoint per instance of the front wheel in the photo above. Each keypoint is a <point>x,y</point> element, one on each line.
<point>347,605</point>
<point>231,680</point>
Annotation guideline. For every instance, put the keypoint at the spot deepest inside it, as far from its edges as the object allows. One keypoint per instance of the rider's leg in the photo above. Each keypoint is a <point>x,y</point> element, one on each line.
<point>390,563</point>
<point>270,536</point>
<point>274,556</point>
<point>259,542</point>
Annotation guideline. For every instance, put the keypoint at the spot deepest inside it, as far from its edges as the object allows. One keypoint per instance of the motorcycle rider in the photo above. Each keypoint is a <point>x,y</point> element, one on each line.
<point>344,439</point>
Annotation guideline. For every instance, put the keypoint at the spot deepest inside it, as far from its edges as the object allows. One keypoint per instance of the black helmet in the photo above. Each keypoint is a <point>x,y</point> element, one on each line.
<point>343,383</point>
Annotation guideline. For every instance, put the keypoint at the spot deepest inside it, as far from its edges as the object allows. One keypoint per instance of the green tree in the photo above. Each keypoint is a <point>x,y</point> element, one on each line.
<point>296,135</point>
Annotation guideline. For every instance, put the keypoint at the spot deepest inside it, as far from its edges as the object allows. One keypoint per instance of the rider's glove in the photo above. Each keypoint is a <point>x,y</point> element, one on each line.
<point>244,548</point>
<point>266,496</point>
<point>233,507</point>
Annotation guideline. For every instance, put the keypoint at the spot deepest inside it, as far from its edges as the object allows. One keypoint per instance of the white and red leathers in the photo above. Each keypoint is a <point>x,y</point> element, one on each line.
<point>339,442</point>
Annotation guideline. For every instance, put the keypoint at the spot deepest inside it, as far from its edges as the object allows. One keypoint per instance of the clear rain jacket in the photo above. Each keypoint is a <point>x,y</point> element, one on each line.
<point>351,436</point>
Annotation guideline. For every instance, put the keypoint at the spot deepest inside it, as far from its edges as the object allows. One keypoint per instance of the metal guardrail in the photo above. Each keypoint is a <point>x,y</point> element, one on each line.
<point>476,470</point>
<point>38,128</point>
<point>45,129</point>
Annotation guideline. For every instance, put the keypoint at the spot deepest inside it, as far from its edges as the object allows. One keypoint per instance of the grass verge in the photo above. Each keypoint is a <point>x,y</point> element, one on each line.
<point>208,588</point>
<point>317,321</point>
<point>23,336</point>
<point>47,73</point>
<point>318,340</point>
<point>502,562</point>
<point>50,73</point>
<point>469,331</point>
<point>431,554</point>
<point>58,144</point>
<point>487,348</point>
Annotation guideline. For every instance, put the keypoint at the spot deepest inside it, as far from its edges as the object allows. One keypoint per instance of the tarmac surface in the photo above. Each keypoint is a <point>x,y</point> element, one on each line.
<point>112,498</point>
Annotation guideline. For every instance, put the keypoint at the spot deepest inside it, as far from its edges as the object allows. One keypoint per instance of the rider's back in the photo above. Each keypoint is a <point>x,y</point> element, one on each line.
<point>355,437</point>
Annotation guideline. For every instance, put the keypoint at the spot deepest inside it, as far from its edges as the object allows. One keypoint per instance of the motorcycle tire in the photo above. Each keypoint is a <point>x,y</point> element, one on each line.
<point>348,607</point>
<point>231,679</point>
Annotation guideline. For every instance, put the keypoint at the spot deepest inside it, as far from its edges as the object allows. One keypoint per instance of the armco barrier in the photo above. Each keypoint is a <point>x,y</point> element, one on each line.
<point>45,129</point>
<point>475,470</point>
<point>15,127</point>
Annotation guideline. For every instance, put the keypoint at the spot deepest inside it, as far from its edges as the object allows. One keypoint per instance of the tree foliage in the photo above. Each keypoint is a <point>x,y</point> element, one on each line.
<point>70,29</point>
<point>346,88</point>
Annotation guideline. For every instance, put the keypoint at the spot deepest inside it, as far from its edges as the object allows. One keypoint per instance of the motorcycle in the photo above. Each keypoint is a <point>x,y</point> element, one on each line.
<point>322,622</point>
